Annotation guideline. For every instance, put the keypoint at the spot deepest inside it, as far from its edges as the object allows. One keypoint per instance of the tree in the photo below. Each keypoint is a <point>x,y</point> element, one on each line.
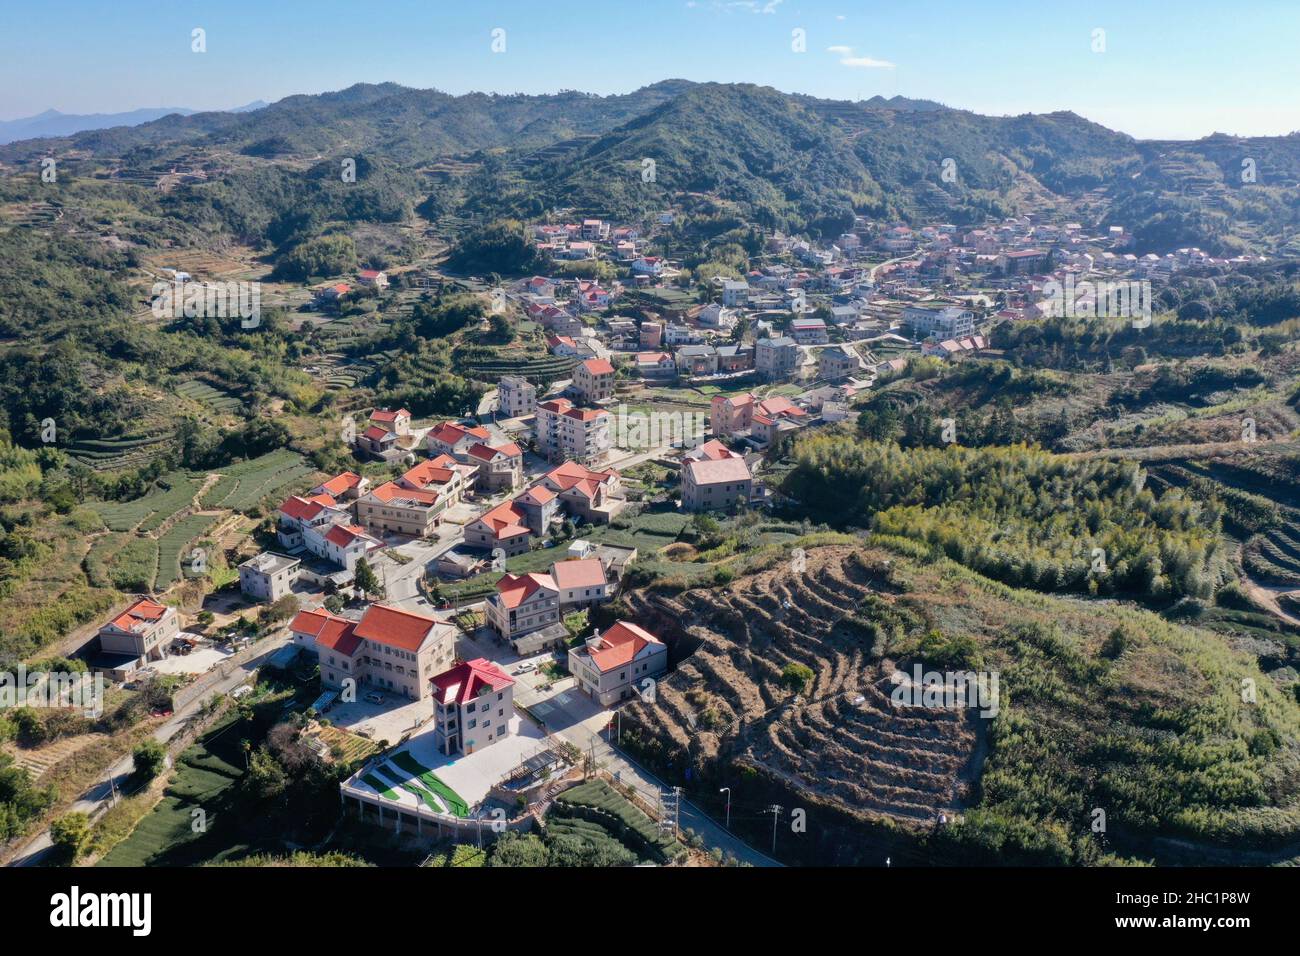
<point>365,579</point>
<point>514,850</point>
<point>70,834</point>
<point>150,757</point>
<point>796,676</point>
<point>266,778</point>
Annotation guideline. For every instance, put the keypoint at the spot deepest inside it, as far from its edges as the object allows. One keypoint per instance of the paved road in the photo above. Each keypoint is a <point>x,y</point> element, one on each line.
<point>96,799</point>
<point>577,722</point>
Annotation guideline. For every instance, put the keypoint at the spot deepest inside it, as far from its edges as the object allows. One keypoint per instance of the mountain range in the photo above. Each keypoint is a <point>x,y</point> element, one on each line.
<point>52,123</point>
<point>778,160</point>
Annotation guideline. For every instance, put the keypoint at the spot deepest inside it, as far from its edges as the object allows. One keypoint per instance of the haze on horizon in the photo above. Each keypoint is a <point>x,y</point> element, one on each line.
<point>1154,76</point>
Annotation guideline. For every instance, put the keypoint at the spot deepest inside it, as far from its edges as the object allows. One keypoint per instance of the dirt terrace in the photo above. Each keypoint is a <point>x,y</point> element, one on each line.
<point>726,698</point>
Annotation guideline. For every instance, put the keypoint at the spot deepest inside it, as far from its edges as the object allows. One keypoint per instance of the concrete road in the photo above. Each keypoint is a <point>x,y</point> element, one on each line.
<point>97,798</point>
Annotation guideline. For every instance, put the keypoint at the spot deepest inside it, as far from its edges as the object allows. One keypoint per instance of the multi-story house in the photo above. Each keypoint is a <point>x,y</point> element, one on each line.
<point>505,527</point>
<point>595,496</point>
<point>717,317</point>
<point>775,415</point>
<point>516,396</point>
<point>949,322</point>
<point>618,664</point>
<point>389,649</point>
<point>565,432</point>
<point>714,484</point>
<point>809,331</point>
<point>522,603</point>
<point>388,434</point>
<point>298,514</point>
<point>834,364</point>
<point>268,576</point>
<point>730,414</point>
<point>581,583</point>
<point>776,357</point>
<point>735,293</point>
<point>593,381</point>
<point>499,466</point>
<point>453,438</point>
<point>347,486</point>
<point>473,704</point>
<point>658,366</point>
<point>394,509</point>
<point>143,631</point>
<point>697,360</point>
<point>539,505</point>
<point>342,544</point>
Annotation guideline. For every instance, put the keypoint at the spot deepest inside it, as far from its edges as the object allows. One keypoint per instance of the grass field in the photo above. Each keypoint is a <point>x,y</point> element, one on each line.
<point>454,801</point>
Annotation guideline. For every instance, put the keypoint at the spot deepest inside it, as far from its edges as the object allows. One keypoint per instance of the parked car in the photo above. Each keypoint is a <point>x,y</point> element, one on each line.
<point>375,698</point>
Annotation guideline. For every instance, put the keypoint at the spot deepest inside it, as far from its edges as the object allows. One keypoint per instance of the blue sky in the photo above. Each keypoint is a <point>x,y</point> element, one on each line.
<point>1169,69</point>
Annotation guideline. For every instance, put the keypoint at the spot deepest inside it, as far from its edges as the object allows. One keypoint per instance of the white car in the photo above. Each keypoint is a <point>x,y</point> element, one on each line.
<point>526,668</point>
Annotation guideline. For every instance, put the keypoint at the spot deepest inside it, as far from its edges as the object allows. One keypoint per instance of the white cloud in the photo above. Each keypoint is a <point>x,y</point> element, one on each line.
<point>754,6</point>
<point>845,53</point>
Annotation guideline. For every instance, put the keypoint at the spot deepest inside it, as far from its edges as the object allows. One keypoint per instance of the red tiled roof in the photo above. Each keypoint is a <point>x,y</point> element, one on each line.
<point>539,494</point>
<point>505,520</point>
<point>450,432</point>
<point>341,483</point>
<point>342,535</point>
<point>394,627</point>
<point>571,473</point>
<point>514,590</point>
<point>391,491</point>
<point>331,632</point>
<point>430,472</point>
<point>376,432</point>
<point>596,366</point>
<point>713,450</point>
<point>304,509</point>
<point>780,405</point>
<point>464,682</point>
<point>620,645</point>
<point>388,415</point>
<point>143,611</point>
<point>586,414</point>
<point>488,452</point>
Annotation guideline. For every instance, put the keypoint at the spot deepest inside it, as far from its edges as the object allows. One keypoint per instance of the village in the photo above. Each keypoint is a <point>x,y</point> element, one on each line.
<point>449,587</point>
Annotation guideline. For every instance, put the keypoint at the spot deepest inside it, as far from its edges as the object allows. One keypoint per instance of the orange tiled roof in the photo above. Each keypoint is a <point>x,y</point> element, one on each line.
<point>142,612</point>
<point>514,590</point>
<point>620,645</point>
<point>395,627</point>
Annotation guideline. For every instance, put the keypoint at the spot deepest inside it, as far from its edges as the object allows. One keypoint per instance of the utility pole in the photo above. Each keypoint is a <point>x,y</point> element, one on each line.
<point>677,811</point>
<point>775,810</point>
<point>727,791</point>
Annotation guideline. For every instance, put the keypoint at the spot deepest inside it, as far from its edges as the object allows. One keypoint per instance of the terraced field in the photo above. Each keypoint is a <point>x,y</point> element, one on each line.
<point>149,512</point>
<point>204,393</point>
<point>244,486</point>
<point>174,547</point>
<point>1274,556</point>
<point>843,740</point>
<point>110,454</point>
